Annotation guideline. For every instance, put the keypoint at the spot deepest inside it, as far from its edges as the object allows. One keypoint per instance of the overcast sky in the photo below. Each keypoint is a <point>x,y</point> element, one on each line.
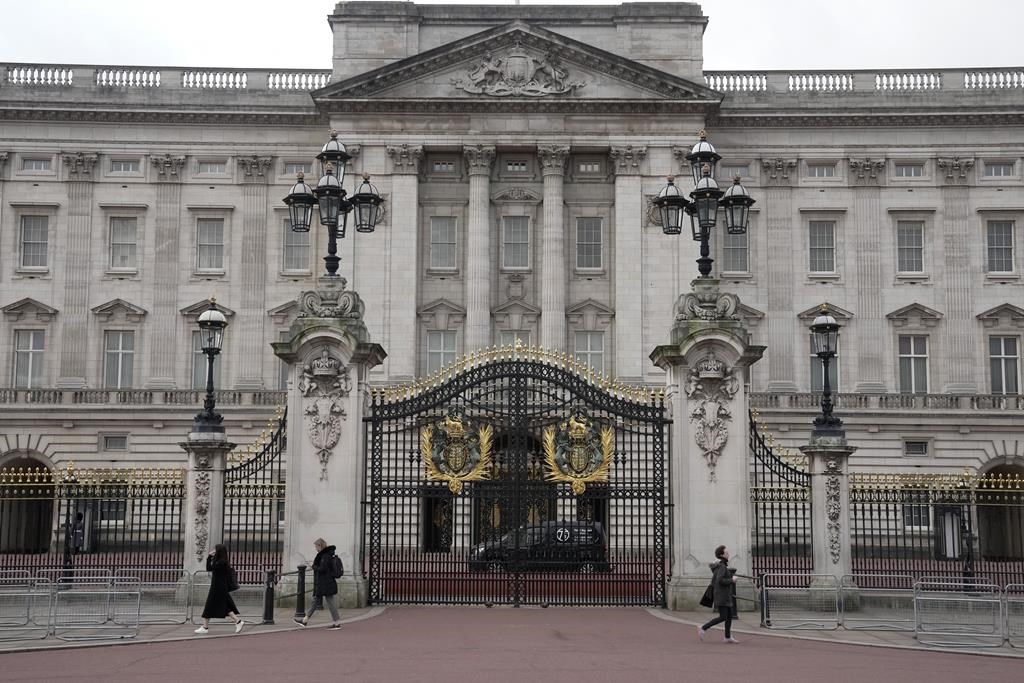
<point>741,34</point>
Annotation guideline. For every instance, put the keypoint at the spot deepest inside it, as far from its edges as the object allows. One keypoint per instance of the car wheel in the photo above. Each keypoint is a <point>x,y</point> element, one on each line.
<point>495,566</point>
<point>588,568</point>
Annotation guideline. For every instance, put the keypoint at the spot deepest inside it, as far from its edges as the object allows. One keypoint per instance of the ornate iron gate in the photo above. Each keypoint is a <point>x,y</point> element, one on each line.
<point>520,478</point>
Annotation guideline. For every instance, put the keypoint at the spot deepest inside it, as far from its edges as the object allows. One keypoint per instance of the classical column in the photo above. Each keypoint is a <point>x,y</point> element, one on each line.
<point>204,495</point>
<point>777,178</point>
<point>164,320</point>
<point>628,269</point>
<point>959,336</point>
<point>553,279</point>
<point>252,343</point>
<point>867,221</point>
<point>479,159</point>
<point>403,271</point>
<point>75,242</point>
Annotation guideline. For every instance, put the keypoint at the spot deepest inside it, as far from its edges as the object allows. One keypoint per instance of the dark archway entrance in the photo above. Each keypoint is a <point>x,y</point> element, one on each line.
<point>26,508</point>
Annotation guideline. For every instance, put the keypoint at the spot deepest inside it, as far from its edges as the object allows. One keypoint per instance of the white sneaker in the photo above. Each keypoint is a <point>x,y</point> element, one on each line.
<point>238,626</point>
<point>700,633</point>
<point>731,640</point>
<point>202,629</point>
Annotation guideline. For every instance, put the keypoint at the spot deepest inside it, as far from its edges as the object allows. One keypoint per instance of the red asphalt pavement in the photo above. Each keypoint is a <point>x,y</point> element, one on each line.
<point>504,644</point>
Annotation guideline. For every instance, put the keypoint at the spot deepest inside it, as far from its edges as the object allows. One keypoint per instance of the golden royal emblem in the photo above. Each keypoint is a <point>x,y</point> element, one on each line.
<point>455,452</point>
<point>577,452</point>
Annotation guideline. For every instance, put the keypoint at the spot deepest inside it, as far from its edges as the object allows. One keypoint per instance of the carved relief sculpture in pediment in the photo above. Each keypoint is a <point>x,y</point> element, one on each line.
<point>324,384</point>
<point>518,73</point>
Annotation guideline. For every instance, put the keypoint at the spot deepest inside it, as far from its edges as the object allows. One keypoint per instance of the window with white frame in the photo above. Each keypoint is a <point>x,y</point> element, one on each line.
<point>1004,364</point>
<point>36,164</point>
<point>199,364</point>
<point>510,337</point>
<point>118,358</point>
<point>735,256</point>
<point>822,246</point>
<point>34,241</point>
<point>443,166</point>
<point>998,169</point>
<point>515,242</point>
<point>212,167</point>
<point>917,510</point>
<point>589,166</point>
<point>442,243</point>
<point>112,512</point>
<point>818,372</point>
<point>295,254</point>
<point>210,244</point>
<point>999,240</point>
<point>124,165</point>
<point>910,246</point>
<point>821,170</point>
<point>517,166</point>
<point>29,346</point>
<point>588,243</point>
<point>296,167</point>
<point>908,170</point>
<point>588,348</point>
<point>913,356</point>
<point>123,242</point>
<point>440,349</point>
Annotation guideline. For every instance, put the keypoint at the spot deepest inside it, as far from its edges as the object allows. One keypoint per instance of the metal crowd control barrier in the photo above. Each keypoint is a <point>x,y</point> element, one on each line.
<point>800,601</point>
<point>100,610</point>
<point>877,602</point>
<point>165,594</point>
<point>248,599</point>
<point>24,606</point>
<point>1013,599</point>
<point>958,613</point>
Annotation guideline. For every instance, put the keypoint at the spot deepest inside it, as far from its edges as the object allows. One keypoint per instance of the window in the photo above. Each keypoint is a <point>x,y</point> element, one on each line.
<point>589,167</point>
<point>440,349</point>
<point>821,170</point>
<point>517,166</point>
<point>113,511</point>
<point>734,253</point>
<point>123,243</point>
<point>34,241</point>
<point>916,511</point>
<point>998,169</point>
<point>515,242</point>
<point>1000,246</point>
<point>28,358</point>
<point>588,243</point>
<point>510,337</point>
<point>296,248</point>
<point>296,167</point>
<point>199,364</point>
<point>910,246</point>
<point>442,242</point>
<point>118,357</point>
<point>35,165</point>
<point>818,372</point>
<point>913,350</point>
<point>822,246</point>
<point>589,349</point>
<point>915,448</point>
<point>908,170</point>
<point>124,166</point>
<point>212,167</point>
<point>1003,358</point>
<point>444,166</point>
<point>115,442</point>
<point>210,244</point>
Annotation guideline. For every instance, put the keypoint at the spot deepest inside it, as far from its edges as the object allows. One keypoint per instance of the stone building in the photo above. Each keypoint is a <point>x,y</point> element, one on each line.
<point>518,149</point>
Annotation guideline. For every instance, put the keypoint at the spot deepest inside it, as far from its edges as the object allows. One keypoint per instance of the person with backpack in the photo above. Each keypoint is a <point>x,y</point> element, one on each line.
<point>327,569</point>
<point>723,581</point>
<point>223,580</point>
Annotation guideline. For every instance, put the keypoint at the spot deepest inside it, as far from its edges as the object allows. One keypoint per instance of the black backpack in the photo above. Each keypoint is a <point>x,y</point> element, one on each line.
<point>337,568</point>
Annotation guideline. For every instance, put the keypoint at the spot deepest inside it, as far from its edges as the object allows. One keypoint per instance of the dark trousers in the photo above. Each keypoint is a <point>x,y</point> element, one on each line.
<point>724,614</point>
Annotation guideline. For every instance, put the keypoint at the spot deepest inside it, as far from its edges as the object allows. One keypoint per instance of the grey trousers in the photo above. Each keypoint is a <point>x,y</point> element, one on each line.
<point>318,603</point>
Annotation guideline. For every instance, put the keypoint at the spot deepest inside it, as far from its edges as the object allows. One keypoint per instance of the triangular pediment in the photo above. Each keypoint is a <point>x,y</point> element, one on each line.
<point>131,312</point>
<point>286,311</point>
<point>914,315</point>
<point>442,314</point>
<point>1004,315</point>
<point>517,306</point>
<point>517,66</point>
<point>198,307</point>
<point>28,306</point>
<point>840,314</point>
<point>750,316</point>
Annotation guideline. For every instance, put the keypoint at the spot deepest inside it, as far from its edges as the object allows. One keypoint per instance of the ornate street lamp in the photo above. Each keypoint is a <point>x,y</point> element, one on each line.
<point>330,197</point>
<point>706,199</point>
<point>212,323</point>
<point>825,333</point>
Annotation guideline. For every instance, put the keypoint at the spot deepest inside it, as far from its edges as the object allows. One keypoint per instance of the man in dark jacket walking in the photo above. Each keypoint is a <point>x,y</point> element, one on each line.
<point>327,569</point>
<point>722,579</point>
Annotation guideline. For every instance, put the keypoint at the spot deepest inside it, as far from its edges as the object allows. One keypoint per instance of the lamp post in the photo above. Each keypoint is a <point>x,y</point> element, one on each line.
<point>212,323</point>
<point>825,332</point>
<point>69,483</point>
<point>704,203</point>
<point>330,197</point>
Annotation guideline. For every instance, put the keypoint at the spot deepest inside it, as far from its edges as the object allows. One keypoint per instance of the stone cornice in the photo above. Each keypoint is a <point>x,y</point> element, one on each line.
<point>552,158</point>
<point>80,165</point>
<point>966,117</point>
<point>45,112</point>
<point>626,160</point>
<point>405,159</point>
<point>479,159</point>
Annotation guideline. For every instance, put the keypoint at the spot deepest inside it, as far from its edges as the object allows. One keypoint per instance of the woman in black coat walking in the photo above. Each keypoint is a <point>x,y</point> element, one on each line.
<point>218,601</point>
<point>326,570</point>
<point>723,579</point>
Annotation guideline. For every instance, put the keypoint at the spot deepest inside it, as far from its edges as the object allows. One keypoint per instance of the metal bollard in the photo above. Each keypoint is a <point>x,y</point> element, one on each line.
<point>268,597</point>
<point>300,593</point>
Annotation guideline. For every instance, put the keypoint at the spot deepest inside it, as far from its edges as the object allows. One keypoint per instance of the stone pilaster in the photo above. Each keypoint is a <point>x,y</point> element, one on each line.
<point>479,160</point>
<point>253,276</point>
<point>828,465</point>
<point>330,355</point>
<point>164,320</point>
<point>628,269</point>
<point>958,334</point>
<point>778,176</point>
<point>204,495</point>
<point>553,278</point>
<point>76,269</point>
<point>403,270</point>
<point>867,221</point>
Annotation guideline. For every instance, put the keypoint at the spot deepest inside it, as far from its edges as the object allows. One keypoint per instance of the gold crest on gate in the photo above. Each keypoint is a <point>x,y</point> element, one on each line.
<point>455,452</point>
<point>577,452</point>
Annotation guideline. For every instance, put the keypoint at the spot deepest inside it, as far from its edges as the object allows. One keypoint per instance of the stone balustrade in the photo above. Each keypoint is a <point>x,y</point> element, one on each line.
<point>881,402</point>
<point>81,76</point>
<point>138,397</point>
<point>915,81</point>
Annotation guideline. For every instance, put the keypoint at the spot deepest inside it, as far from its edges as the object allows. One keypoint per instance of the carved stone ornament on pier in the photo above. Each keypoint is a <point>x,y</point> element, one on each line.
<point>710,388</point>
<point>518,73</point>
<point>706,302</point>
<point>255,166</point>
<point>833,507</point>
<point>324,384</point>
<point>3,161</point>
<point>80,165</point>
<point>167,167</point>
<point>331,302</point>
<point>867,171</point>
<point>626,160</point>
<point>954,168</point>
<point>202,512</point>
<point>777,171</point>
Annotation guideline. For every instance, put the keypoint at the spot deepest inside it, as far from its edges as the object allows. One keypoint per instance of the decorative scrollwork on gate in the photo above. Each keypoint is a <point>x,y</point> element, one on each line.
<point>578,453</point>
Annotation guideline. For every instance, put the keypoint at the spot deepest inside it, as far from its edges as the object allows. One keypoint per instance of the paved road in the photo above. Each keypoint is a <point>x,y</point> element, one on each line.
<point>497,645</point>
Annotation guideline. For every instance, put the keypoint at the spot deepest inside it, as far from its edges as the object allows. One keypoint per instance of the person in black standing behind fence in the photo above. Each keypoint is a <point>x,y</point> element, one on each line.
<point>222,581</point>
<point>723,579</point>
<point>327,569</point>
